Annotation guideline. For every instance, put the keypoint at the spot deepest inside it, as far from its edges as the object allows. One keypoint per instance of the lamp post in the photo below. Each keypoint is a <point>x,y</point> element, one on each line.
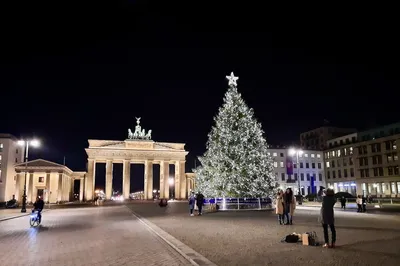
<point>171,182</point>
<point>26,143</point>
<point>298,153</point>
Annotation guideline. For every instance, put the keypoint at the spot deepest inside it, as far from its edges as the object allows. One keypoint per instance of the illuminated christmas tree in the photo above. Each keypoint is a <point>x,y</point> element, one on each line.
<point>236,162</point>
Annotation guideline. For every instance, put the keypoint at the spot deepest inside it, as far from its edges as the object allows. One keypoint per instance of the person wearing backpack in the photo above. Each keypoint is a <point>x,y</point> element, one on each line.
<point>327,217</point>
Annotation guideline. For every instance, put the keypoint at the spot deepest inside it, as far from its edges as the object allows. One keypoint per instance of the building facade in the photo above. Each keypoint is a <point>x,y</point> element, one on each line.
<point>377,161</point>
<point>316,139</point>
<point>309,171</point>
<point>365,163</point>
<point>51,181</point>
<point>10,154</point>
<point>340,167</point>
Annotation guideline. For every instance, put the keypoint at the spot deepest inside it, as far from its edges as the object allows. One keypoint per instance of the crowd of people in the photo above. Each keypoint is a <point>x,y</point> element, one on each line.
<point>286,205</point>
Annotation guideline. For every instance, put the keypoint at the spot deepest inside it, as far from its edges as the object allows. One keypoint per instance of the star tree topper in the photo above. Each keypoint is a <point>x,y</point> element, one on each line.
<point>232,79</point>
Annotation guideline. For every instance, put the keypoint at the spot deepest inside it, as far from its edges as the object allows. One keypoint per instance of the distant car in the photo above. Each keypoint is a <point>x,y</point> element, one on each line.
<point>12,204</point>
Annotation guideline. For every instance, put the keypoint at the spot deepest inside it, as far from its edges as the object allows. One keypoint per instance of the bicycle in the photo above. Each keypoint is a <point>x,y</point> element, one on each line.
<point>34,219</point>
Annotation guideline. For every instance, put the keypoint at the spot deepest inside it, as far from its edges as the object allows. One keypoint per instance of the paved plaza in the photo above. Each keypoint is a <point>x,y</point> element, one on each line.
<point>113,236</point>
<point>86,236</point>
<point>254,238</point>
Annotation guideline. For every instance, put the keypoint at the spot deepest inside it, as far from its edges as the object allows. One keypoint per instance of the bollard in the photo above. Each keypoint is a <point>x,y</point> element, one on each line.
<point>238,204</point>
<point>259,203</point>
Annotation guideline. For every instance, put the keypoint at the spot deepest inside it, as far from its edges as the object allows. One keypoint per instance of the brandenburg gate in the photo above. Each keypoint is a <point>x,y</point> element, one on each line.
<point>137,149</point>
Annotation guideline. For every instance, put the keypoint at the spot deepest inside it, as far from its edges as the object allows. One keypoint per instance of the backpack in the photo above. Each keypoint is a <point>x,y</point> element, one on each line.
<point>312,239</point>
<point>292,238</point>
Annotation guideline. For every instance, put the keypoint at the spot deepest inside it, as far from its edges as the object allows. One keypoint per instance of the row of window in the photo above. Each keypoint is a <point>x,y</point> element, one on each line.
<point>308,177</point>
<point>377,159</point>
<point>378,171</point>
<point>313,165</point>
<point>346,173</point>
<point>381,188</point>
<point>339,162</point>
<point>340,152</point>
<point>390,145</point>
<point>312,155</point>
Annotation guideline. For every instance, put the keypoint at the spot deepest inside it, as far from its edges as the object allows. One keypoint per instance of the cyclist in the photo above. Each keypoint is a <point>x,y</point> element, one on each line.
<point>38,206</point>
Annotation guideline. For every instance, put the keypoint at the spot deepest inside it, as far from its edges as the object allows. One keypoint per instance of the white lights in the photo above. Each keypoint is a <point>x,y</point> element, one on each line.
<point>171,181</point>
<point>21,142</point>
<point>34,143</point>
<point>293,151</point>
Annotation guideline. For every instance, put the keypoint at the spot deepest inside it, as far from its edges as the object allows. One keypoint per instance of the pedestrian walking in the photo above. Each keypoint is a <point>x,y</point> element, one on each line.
<point>327,217</point>
<point>343,203</point>
<point>192,201</point>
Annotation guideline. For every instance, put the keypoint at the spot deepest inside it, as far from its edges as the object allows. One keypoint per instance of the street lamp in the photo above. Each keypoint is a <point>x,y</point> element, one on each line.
<point>298,153</point>
<point>27,143</point>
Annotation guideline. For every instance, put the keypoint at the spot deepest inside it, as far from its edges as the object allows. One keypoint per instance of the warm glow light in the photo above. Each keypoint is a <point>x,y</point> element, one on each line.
<point>171,181</point>
<point>34,143</point>
<point>154,191</point>
<point>21,142</point>
<point>294,151</point>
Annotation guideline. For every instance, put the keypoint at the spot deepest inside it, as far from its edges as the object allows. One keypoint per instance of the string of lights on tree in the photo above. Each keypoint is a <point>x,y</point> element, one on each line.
<point>236,162</point>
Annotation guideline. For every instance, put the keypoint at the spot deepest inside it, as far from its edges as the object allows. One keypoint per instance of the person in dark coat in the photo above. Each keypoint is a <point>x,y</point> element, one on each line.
<point>200,202</point>
<point>327,217</point>
<point>343,202</point>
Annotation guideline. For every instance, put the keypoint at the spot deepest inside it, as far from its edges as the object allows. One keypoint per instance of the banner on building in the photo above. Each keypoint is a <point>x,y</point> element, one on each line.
<point>313,188</point>
<point>289,166</point>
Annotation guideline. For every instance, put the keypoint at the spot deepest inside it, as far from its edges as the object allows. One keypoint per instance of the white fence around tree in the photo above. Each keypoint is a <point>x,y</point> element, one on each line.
<point>225,204</point>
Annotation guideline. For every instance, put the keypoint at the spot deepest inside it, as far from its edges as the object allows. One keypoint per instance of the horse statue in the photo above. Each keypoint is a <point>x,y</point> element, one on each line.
<point>130,134</point>
<point>148,136</point>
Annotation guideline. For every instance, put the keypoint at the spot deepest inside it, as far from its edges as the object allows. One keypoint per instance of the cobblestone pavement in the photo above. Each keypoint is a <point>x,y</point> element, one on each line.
<point>87,236</point>
<point>9,213</point>
<point>254,238</point>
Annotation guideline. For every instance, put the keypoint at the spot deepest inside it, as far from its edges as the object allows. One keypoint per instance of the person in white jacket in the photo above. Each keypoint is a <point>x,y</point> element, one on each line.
<point>359,203</point>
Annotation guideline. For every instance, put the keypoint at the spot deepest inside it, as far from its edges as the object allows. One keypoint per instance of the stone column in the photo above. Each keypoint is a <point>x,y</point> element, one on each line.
<point>164,179</point>
<point>72,192</point>
<point>126,183</point>
<point>60,187</point>
<point>180,180</point>
<point>47,187</point>
<point>148,180</point>
<point>18,195</point>
<point>89,180</point>
<point>109,177</point>
<point>81,189</point>
<point>29,187</point>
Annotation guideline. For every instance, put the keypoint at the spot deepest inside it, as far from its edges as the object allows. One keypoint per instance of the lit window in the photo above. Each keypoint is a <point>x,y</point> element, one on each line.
<point>312,155</point>
<point>338,153</point>
<point>327,165</point>
<point>275,154</point>
<point>318,155</point>
<point>275,164</point>
<point>281,164</point>
<point>305,154</point>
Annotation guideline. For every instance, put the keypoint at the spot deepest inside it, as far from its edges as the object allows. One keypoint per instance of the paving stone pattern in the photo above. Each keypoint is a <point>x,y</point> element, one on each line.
<point>254,238</point>
<point>89,236</point>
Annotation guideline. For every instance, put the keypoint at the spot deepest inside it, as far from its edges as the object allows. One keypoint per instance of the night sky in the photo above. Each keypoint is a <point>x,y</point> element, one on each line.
<point>86,72</point>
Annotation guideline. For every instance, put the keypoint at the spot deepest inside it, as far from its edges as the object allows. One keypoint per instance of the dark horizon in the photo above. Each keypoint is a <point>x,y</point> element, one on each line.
<point>70,80</point>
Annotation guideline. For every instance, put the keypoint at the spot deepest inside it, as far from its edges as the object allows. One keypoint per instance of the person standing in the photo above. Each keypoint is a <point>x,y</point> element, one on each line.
<point>327,217</point>
<point>343,202</point>
<point>279,206</point>
<point>200,202</point>
<point>289,206</point>
<point>359,203</point>
<point>192,201</point>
